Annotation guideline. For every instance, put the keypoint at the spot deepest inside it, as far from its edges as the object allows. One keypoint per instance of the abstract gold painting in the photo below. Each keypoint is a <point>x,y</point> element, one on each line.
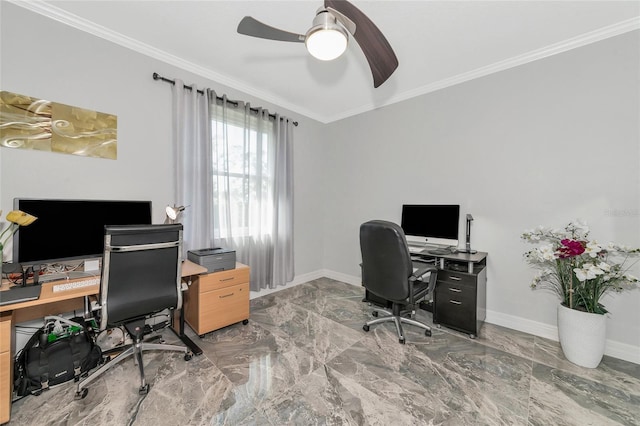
<point>38,124</point>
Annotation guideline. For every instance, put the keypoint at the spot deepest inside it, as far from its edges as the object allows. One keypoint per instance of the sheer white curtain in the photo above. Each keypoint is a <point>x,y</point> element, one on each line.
<point>253,190</point>
<point>234,171</point>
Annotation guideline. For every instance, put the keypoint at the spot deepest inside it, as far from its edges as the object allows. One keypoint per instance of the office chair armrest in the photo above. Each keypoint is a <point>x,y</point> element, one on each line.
<point>417,275</point>
<point>422,270</point>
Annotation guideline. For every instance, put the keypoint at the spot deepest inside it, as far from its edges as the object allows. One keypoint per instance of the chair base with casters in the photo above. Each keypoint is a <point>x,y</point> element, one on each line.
<point>137,330</point>
<point>398,319</point>
<point>389,273</point>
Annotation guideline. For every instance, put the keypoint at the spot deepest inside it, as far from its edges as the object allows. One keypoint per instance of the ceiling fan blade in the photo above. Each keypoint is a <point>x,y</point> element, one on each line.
<point>254,28</point>
<point>382,60</point>
<point>346,22</point>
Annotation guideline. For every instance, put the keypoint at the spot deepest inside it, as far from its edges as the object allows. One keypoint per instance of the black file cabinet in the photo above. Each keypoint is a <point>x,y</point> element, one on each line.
<point>460,297</point>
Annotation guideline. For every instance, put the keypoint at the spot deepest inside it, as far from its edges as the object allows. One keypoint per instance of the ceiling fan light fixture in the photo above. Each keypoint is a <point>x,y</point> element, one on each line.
<point>327,39</point>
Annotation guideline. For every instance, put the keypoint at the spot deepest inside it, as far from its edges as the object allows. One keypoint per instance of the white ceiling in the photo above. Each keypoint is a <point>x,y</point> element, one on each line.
<point>438,43</point>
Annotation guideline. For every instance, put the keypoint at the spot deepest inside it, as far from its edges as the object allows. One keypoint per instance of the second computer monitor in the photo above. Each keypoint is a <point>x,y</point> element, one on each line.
<point>431,224</point>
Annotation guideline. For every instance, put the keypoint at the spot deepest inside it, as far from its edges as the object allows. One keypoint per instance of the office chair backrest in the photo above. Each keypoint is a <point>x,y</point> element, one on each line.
<point>141,271</point>
<point>386,262</point>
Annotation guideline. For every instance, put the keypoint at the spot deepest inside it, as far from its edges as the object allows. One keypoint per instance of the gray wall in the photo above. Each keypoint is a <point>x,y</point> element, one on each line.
<point>543,143</point>
<point>45,59</point>
<point>540,144</point>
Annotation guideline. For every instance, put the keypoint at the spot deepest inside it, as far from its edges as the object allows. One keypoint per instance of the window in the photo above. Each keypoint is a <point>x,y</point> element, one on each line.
<point>243,174</point>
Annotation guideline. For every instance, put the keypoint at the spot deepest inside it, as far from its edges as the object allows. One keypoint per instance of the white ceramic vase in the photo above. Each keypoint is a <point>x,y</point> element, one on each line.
<point>582,336</point>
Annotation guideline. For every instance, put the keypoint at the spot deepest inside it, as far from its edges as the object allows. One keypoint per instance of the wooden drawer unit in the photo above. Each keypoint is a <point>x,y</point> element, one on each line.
<point>460,300</point>
<point>6,368</point>
<point>217,300</point>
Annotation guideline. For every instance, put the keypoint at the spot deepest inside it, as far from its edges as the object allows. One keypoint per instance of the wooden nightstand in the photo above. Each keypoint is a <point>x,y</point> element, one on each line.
<point>217,300</point>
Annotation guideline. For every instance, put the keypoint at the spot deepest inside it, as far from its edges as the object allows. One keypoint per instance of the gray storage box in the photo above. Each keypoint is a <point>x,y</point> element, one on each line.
<point>214,259</point>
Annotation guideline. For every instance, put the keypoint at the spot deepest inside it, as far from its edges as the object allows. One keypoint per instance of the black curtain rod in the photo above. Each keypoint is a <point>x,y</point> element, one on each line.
<point>157,76</point>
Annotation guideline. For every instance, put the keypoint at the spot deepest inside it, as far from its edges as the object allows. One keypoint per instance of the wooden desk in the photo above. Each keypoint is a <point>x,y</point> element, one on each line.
<point>49,303</point>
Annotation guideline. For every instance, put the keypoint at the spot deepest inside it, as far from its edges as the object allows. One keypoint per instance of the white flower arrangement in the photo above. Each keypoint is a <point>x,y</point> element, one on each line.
<point>580,271</point>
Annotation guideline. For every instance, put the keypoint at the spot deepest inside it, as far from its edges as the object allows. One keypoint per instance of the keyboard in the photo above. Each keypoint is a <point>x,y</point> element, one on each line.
<point>74,285</point>
<point>440,251</point>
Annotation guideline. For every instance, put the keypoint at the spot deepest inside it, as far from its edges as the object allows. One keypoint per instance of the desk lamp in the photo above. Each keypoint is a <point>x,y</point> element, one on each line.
<point>468,245</point>
<point>173,213</point>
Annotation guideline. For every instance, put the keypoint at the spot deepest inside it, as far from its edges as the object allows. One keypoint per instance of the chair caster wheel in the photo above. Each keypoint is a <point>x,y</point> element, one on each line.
<point>374,313</point>
<point>245,321</point>
<point>365,327</point>
<point>188,356</point>
<point>402,340</point>
<point>427,333</point>
<point>143,389</point>
<point>81,394</point>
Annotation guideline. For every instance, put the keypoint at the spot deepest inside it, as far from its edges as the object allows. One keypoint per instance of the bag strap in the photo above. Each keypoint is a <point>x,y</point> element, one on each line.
<point>75,351</point>
<point>21,383</point>
<point>43,368</point>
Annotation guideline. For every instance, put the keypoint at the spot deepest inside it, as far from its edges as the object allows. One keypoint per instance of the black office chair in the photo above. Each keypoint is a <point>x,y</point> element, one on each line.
<point>141,276</point>
<point>388,272</point>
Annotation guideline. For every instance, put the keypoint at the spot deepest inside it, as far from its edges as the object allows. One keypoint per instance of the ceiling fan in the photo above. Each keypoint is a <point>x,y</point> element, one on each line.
<point>328,37</point>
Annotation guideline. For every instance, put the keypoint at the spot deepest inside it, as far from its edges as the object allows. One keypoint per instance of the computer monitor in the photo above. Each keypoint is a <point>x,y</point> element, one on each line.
<point>71,229</point>
<point>431,224</point>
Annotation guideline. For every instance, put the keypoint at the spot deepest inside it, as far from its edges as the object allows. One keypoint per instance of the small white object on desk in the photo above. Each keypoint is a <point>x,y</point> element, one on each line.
<point>72,285</point>
<point>91,265</point>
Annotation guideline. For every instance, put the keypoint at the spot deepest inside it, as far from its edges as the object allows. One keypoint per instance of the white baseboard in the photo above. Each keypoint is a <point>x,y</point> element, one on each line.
<point>522,324</point>
<point>338,276</point>
<point>297,280</point>
<point>613,348</point>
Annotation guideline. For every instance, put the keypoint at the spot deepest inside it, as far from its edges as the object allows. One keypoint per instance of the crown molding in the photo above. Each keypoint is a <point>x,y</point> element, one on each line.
<point>50,11</point>
<point>60,15</point>
<point>534,55</point>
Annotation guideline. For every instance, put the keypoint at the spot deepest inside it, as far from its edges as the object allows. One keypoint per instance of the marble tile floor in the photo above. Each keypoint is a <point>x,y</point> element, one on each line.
<point>304,359</point>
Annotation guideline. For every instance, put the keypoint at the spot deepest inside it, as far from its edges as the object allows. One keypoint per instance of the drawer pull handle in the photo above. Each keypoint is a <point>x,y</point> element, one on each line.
<point>453,277</point>
<point>455,302</point>
<point>455,290</point>
<point>228,279</point>
<point>226,295</point>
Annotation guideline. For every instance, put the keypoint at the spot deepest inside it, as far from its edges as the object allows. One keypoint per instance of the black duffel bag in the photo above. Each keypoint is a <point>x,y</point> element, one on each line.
<point>46,362</point>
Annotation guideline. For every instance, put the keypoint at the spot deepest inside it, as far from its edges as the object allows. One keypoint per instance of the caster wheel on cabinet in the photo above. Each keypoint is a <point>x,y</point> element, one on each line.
<point>245,321</point>
<point>472,336</point>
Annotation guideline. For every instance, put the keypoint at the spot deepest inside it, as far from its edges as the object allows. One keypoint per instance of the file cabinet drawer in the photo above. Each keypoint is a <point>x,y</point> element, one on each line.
<point>460,278</point>
<point>5,332</point>
<point>223,279</point>
<point>453,292</point>
<point>457,313</point>
<point>5,386</point>
<point>222,307</point>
